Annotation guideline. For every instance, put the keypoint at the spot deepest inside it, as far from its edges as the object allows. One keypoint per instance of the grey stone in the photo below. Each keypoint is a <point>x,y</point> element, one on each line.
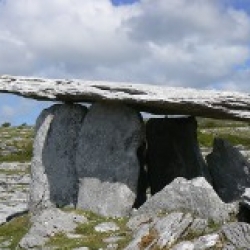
<point>106,227</point>
<point>206,241</point>
<point>171,227</point>
<point>229,246</point>
<point>105,198</point>
<point>112,246</point>
<point>229,169</point>
<point>81,248</point>
<point>53,173</point>
<point>237,233</point>
<point>185,245</point>
<point>113,239</point>
<point>107,160</point>
<point>137,220</point>
<point>196,196</point>
<point>173,151</point>
<point>143,230</point>
<point>150,98</point>
<point>48,223</point>
<point>198,226</point>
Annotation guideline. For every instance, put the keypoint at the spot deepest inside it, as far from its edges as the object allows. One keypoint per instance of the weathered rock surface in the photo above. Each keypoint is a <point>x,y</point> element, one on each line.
<point>14,186</point>
<point>53,174</point>
<point>171,227</point>
<point>106,159</point>
<point>196,196</point>
<point>245,198</point>
<point>106,227</point>
<point>48,223</point>
<point>173,151</point>
<point>155,99</point>
<point>238,234</point>
<point>229,169</point>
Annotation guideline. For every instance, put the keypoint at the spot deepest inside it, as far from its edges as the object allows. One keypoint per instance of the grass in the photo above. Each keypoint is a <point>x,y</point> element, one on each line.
<point>20,138</point>
<point>14,231</point>
<point>88,236</point>
<point>206,138</point>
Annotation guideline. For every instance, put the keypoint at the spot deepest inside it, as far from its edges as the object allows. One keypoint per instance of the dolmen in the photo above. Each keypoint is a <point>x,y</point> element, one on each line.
<point>107,159</point>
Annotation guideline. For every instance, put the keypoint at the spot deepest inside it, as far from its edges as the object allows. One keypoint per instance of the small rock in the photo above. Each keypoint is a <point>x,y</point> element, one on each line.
<point>106,227</point>
<point>113,239</point>
<point>171,227</point>
<point>185,245</point>
<point>143,231</point>
<point>48,223</point>
<point>137,220</point>
<point>206,241</point>
<point>198,226</point>
<point>81,248</point>
<point>229,246</point>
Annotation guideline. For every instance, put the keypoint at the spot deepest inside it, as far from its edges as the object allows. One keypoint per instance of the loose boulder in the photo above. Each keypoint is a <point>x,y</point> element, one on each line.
<point>107,159</point>
<point>196,196</point>
<point>173,151</point>
<point>47,224</point>
<point>229,169</point>
<point>53,174</point>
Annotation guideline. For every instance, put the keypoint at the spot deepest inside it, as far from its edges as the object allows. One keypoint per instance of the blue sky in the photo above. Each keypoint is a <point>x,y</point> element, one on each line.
<point>190,43</point>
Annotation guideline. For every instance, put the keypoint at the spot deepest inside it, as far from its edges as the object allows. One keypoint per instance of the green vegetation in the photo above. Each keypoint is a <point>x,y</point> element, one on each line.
<point>16,143</point>
<point>11,233</point>
<point>237,133</point>
<point>6,125</point>
<point>88,237</point>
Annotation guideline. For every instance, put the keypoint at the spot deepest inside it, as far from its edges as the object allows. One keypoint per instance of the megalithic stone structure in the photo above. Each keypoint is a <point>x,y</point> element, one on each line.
<point>173,151</point>
<point>149,98</point>
<point>106,159</point>
<point>93,160</point>
<point>53,172</point>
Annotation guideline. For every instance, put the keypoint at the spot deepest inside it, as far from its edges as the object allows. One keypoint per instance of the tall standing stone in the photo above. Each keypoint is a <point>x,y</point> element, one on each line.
<point>107,161</point>
<point>229,169</point>
<point>53,173</point>
<point>173,151</point>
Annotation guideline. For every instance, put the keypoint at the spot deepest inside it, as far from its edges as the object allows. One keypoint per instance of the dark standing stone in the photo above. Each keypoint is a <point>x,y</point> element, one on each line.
<point>107,162</point>
<point>53,175</point>
<point>229,169</point>
<point>173,151</point>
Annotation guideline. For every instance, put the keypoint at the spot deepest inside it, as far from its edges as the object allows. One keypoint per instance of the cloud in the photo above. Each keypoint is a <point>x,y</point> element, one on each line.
<point>195,43</point>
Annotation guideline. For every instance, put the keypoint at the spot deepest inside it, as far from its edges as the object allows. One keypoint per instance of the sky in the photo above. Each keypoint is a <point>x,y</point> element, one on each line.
<point>203,44</point>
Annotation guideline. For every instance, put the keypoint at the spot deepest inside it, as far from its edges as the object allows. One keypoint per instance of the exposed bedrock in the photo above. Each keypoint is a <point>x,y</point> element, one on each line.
<point>229,169</point>
<point>106,159</point>
<point>53,174</point>
<point>173,151</point>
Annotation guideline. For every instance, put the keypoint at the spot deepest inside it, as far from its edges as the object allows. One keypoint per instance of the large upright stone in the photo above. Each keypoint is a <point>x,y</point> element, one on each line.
<point>229,169</point>
<point>173,151</point>
<point>107,161</point>
<point>53,174</point>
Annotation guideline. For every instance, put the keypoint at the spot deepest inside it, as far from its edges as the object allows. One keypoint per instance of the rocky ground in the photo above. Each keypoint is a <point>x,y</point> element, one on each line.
<point>84,230</point>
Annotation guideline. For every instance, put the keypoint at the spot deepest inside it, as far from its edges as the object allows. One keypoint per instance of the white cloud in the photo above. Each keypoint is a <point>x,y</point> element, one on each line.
<point>196,43</point>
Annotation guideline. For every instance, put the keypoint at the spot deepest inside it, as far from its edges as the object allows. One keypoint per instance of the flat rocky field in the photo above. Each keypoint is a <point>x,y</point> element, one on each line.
<point>15,156</point>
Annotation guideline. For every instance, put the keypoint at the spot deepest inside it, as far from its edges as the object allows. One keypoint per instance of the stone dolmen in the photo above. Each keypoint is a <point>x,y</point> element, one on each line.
<point>104,158</point>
